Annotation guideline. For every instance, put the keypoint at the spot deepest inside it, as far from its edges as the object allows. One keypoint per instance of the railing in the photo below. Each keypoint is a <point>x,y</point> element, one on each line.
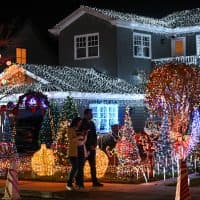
<point>181,59</point>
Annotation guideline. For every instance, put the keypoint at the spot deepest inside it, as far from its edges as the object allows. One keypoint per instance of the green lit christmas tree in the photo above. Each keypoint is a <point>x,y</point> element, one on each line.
<point>54,112</point>
<point>69,110</point>
<point>45,133</point>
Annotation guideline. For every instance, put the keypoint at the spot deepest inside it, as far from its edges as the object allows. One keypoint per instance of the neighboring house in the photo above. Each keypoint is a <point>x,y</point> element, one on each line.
<point>106,96</point>
<point>125,45</point>
<point>25,44</point>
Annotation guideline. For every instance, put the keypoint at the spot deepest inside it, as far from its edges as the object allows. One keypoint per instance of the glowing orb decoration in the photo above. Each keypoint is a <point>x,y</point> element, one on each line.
<point>3,81</point>
<point>101,164</point>
<point>8,62</point>
<point>43,162</point>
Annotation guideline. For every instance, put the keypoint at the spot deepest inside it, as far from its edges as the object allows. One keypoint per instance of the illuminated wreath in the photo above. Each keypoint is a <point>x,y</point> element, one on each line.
<point>33,101</point>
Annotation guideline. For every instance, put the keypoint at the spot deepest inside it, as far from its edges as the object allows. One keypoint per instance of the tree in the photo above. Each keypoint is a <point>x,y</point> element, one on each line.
<point>68,112</point>
<point>126,148</point>
<point>61,144</point>
<point>69,109</point>
<point>174,89</point>
<point>54,112</point>
<point>45,133</point>
<point>6,31</point>
<point>7,130</point>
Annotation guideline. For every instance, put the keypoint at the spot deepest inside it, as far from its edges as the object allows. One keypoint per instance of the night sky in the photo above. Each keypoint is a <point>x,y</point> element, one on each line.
<point>46,16</point>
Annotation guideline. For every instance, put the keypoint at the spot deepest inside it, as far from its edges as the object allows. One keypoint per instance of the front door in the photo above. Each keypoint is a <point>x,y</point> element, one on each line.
<point>178,46</point>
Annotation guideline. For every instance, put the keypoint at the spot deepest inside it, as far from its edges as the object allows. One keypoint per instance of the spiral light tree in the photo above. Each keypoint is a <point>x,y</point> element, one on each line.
<point>173,89</point>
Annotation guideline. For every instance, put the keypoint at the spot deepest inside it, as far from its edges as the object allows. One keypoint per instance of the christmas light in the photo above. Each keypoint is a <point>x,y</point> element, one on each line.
<point>186,21</point>
<point>101,164</point>
<point>43,162</point>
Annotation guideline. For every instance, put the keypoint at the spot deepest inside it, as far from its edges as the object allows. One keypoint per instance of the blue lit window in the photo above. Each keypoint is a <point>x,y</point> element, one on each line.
<point>104,116</point>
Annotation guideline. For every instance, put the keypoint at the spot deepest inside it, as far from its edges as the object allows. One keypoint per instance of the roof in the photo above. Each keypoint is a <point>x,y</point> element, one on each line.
<point>186,18</point>
<point>64,79</point>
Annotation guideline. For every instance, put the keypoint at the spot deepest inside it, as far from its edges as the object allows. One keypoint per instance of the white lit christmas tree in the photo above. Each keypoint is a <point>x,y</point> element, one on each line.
<point>165,162</point>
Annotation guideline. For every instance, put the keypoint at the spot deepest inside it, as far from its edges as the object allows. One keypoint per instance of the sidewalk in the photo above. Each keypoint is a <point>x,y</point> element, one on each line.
<point>31,190</point>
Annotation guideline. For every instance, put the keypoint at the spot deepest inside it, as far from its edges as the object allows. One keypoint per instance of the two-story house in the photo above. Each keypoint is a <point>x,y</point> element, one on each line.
<point>124,45</point>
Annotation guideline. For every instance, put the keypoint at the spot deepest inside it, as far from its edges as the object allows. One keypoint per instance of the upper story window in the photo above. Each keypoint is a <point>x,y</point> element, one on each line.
<point>86,46</point>
<point>141,45</point>
<point>21,55</point>
<point>198,44</point>
<point>104,116</point>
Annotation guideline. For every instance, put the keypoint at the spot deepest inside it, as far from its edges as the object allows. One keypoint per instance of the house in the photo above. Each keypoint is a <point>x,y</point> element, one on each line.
<point>126,45</point>
<point>106,96</point>
<point>21,42</point>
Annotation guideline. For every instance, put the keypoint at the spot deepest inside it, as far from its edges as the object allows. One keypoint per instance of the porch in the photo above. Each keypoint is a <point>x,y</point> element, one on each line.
<point>180,59</point>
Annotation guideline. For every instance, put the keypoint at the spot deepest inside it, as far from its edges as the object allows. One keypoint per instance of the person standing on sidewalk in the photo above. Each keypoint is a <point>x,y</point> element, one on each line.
<point>91,144</point>
<point>73,150</point>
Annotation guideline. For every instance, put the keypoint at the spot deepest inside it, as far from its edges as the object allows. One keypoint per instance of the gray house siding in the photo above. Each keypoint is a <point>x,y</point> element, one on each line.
<point>87,24</point>
<point>161,46</point>
<point>191,44</point>
<point>127,65</point>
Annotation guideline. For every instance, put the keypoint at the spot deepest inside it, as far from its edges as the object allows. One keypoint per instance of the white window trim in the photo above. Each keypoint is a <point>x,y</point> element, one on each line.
<point>86,36</point>
<point>150,51</point>
<point>98,106</point>
<point>197,38</point>
<point>173,46</point>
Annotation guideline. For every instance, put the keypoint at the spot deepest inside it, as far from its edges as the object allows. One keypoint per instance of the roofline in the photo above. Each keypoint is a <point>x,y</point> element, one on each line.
<point>80,96</point>
<point>156,29</point>
<point>119,23</point>
<point>30,74</point>
<point>73,17</point>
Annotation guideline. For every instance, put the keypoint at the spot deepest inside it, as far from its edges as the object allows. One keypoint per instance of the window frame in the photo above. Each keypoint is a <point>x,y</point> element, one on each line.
<point>173,46</point>
<point>97,117</point>
<point>142,35</point>
<point>198,46</point>
<point>21,57</point>
<point>86,47</point>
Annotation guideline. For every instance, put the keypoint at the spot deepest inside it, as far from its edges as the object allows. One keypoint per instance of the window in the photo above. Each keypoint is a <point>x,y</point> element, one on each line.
<point>20,56</point>
<point>198,44</point>
<point>104,116</point>
<point>141,45</point>
<point>86,46</point>
<point>178,46</point>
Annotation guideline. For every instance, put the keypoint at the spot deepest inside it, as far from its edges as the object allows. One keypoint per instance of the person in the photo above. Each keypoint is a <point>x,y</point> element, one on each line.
<point>82,133</point>
<point>91,144</point>
<point>76,153</point>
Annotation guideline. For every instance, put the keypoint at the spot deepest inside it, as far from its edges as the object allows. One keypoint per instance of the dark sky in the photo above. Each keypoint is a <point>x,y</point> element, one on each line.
<point>46,13</point>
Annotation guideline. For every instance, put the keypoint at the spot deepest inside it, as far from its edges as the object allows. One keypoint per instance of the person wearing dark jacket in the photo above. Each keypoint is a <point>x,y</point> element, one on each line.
<point>91,144</point>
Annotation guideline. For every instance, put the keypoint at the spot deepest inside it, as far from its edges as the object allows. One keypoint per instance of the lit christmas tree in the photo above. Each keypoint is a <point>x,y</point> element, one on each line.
<point>195,129</point>
<point>54,111</point>
<point>7,130</point>
<point>68,112</point>
<point>61,144</point>
<point>126,149</point>
<point>45,133</point>
<point>164,160</point>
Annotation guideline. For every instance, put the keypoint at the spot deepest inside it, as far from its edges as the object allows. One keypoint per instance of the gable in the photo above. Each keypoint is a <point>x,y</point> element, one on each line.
<point>182,22</point>
<point>15,75</point>
<point>75,16</point>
